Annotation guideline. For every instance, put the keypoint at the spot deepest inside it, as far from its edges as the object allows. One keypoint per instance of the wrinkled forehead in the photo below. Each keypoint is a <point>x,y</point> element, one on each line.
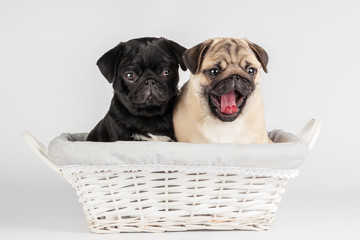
<point>150,55</point>
<point>229,51</point>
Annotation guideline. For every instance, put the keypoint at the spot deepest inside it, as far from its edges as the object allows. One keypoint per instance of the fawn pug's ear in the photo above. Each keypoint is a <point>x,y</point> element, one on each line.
<point>260,54</point>
<point>194,56</point>
<point>108,63</point>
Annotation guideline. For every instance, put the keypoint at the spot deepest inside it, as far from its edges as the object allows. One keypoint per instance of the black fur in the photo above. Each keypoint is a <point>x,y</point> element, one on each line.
<point>145,105</point>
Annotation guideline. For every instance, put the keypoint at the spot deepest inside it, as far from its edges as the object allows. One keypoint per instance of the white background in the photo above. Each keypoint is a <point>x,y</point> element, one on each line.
<point>50,84</point>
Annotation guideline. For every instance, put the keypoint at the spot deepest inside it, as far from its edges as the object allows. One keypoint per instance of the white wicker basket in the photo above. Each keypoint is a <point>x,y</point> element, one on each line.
<point>174,197</point>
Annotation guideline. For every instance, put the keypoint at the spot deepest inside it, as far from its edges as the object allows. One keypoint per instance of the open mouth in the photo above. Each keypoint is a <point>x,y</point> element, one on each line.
<point>227,106</point>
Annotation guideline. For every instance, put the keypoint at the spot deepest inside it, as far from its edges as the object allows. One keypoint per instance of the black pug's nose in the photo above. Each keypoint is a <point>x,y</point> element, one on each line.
<point>150,93</point>
<point>150,82</point>
<point>235,77</point>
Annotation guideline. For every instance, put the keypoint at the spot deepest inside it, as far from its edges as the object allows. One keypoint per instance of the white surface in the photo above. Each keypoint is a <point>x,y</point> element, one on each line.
<point>50,84</point>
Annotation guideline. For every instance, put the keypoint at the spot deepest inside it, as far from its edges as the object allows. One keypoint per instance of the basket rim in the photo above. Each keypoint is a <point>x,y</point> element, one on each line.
<point>288,153</point>
<point>152,168</point>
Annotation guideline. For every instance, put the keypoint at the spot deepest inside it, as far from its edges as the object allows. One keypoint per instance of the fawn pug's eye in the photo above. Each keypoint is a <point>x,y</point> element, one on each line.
<point>213,72</point>
<point>251,71</point>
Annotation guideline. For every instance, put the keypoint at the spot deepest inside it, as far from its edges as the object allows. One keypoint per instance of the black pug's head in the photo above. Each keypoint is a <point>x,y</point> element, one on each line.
<point>144,73</point>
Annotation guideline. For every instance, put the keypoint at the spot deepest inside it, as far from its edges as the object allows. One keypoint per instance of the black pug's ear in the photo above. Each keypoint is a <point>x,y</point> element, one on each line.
<point>194,56</point>
<point>260,54</point>
<point>108,63</point>
<point>178,52</point>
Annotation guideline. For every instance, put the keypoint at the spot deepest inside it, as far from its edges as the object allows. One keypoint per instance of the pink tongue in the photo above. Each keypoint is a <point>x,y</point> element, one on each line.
<point>228,104</point>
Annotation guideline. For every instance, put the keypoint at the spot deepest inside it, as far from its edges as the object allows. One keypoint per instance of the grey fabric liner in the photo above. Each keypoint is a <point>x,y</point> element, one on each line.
<point>288,152</point>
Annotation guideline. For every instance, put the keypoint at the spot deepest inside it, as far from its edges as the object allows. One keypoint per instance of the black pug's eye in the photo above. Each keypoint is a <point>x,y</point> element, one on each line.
<point>213,72</point>
<point>130,76</point>
<point>251,71</point>
<point>165,72</point>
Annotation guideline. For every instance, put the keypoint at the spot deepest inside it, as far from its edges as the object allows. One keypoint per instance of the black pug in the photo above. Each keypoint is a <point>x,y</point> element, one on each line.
<point>144,75</point>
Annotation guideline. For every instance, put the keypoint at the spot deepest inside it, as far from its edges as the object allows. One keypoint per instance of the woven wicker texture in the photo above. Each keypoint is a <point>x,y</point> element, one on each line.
<point>141,201</point>
<point>157,196</point>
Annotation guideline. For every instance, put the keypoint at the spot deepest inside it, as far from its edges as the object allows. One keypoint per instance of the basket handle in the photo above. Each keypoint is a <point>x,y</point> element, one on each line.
<point>310,132</point>
<point>39,149</point>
